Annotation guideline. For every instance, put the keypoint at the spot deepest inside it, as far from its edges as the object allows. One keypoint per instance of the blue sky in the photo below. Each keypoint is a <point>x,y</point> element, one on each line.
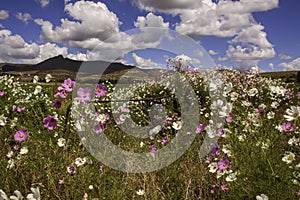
<point>240,33</point>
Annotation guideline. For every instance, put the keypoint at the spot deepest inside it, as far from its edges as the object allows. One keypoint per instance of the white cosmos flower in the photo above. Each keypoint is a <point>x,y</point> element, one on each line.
<point>274,104</point>
<point>288,157</point>
<point>262,197</point>
<point>3,196</point>
<point>80,161</point>
<point>140,192</point>
<point>61,142</point>
<point>294,141</point>
<point>23,150</point>
<point>48,78</point>
<point>142,144</point>
<point>37,90</point>
<point>10,163</point>
<point>231,177</point>
<point>177,125</point>
<point>3,120</point>
<point>101,118</point>
<point>217,104</point>
<point>213,167</point>
<point>234,96</point>
<point>155,130</point>
<point>18,196</point>
<point>226,150</point>
<point>292,113</point>
<point>10,154</point>
<point>252,92</point>
<point>270,115</point>
<point>35,79</point>
<point>35,194</point>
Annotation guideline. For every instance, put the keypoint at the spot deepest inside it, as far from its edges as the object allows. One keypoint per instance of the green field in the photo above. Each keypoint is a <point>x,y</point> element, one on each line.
<point>257,151</point>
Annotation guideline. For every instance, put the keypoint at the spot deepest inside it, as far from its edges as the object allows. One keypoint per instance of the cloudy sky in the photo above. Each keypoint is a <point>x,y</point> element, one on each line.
<point>237,33</point>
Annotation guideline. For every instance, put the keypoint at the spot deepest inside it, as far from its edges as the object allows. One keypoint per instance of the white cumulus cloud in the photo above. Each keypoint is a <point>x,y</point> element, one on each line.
<point>151,20</point>
<point>4,14</point>
<point>90,21</point>
<point>25,17</point>
<point>212,52</point>
<point>293,65</point>
<point>144,63</point>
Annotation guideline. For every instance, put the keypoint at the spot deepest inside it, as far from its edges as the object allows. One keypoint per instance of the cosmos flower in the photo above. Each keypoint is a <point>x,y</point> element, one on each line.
<point>262,197</point>
<point>229,118</point>
<point>252,92</point>
<point>224,188</point>
<point>35,195</point>
<point>292,113</point>
<point>288,157</point>
<point>100,90</point>
<point>3,120</point>
<point>152,151</point>
<point>37,89</point>
<point>215,149</point>
<point>84,95</point>
<point>80,161</point>
<point>20,135</point>
<point>18,196</point>
<point>165,140</point>
<point>71,169</point>
<point>177,125</point>
<point>68,85</point>
<point>35,79</point>
<point>56,104</point>
<point>223,164</point>
<point>48,78</point>
<point>61,92</point>
<point>61,142</point>
<point>3,195</point>
<point>140,192</point>
<point>213,167</point>
<point>24,150</point>
<point>98,128</point>
<point>21,108</point>
<point>200,128</point>
<point>50,122</point>
<point>287,127</point>
<point>2,93</point>
<point>231,177</point>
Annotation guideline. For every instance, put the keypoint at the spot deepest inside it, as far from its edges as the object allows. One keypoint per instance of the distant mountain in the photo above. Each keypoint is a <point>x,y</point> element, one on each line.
<point>61,63</point>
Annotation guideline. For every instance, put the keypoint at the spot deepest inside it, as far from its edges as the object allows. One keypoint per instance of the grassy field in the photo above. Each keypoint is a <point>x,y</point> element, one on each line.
<point>42,156</point>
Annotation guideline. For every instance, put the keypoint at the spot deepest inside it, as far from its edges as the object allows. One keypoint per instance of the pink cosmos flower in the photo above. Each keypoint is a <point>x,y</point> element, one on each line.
<point>2,93</point>
<point>61,92</point>
<point>98,128</point>
<point>220,132</point>
<point>223,164</point>
<point>20,135</point>
<point>21,108</point>
<point>152,151</point>
<point>224,188</point>
<point>200,128</point>
<point>215,149</point>
<point>68,85</point>
<point>229,118</point>
<point>165,140</point>
<point>84,95</point>
<point>100,90</point>
<point>56,104</point>
<point>287,127</point>
<point>50,122</point>
<point>101,167</point>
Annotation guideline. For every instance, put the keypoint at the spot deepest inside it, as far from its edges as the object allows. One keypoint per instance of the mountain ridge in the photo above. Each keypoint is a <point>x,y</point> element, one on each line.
<point>60,63</point>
